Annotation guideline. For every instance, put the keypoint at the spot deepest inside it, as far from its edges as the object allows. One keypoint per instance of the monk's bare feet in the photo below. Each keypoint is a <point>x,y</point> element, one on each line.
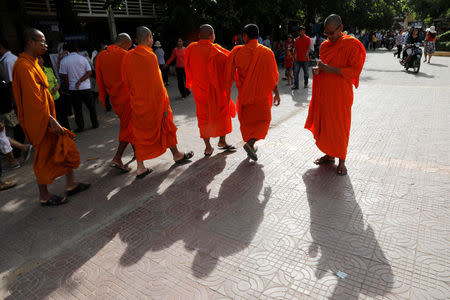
<point>341,168</point>
<point>324,160</point>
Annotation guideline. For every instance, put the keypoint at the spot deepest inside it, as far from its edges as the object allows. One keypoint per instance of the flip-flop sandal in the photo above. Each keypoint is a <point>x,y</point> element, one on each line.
<point>230,148</point>
<point>186,157</point>
<point>80,188</point>
<point>321,161</point>
<point>341,173</point>
<point>209,154</point>
<point>140,176</point>
<point>122,169</point>
<point>250,152</point>
<point>6,185</point>
<point>55,201</point>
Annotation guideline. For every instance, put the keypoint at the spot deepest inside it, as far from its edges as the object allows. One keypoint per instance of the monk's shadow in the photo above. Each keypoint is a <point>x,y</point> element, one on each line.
<point>341,242</point>
<point>211,227</point>
<point>225,231</point>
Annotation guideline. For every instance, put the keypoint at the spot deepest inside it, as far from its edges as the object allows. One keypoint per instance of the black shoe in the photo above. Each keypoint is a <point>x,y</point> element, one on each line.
<point>294,87</point>
<point>94,126</point>
<point>78,130</point>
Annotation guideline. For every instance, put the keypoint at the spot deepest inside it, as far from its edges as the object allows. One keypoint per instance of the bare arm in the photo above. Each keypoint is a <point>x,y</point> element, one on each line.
<point>276,99</point>
<point>85,77</point>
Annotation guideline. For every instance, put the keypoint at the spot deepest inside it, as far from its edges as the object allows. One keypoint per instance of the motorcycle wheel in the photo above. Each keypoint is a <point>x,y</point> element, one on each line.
<point>389,47</point>
<point>416,66</point>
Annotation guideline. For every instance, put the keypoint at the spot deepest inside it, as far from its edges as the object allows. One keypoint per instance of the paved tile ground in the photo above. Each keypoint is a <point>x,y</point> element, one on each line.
<point>226,228</point>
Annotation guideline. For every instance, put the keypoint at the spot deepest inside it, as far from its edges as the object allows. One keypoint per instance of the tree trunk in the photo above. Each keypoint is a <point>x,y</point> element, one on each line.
<point>111,24</point>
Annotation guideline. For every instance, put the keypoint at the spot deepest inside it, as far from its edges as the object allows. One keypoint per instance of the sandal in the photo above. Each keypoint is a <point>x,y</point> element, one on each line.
<point>122,169</point>
<point>80,188</point>
<point>250,152</point>
<point>185,158</point>
<point>230,148</point>
<point>55,201</point>
<point>140,176</point>
<point>209,154</point>
<point>324,160</point>
<point>6,185</point>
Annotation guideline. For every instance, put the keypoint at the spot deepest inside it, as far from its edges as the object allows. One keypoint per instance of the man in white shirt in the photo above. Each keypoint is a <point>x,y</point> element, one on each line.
<point>75,71</point>
<point>161,62</point>
<point>267,43</point>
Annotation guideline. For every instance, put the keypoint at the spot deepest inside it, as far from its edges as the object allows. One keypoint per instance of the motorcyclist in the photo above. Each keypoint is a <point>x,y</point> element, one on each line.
<point>411,41</point>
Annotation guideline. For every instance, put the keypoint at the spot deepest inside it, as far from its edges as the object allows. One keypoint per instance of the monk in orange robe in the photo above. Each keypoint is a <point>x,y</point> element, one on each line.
<point>55,151</point>
<point>255,71</point>
<point>329,116</point>
<point>108,70</point>
<point>205,76</point>
<point>151,115</point>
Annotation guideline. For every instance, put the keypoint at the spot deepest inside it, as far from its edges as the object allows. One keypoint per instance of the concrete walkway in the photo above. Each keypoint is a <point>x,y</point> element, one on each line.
<point>226,228</point>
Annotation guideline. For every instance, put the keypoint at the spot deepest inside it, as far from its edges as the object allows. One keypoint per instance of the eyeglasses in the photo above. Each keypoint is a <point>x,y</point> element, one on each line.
<point>331,33</point>
<point>43,42</point>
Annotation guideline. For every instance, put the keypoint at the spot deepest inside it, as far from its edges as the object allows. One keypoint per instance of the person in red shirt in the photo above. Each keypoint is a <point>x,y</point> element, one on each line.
<point>289,64</point>
<point>178,53</point>
<point>302,46</point>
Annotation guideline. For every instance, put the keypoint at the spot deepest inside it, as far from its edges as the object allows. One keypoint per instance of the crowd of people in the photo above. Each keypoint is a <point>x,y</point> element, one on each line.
<point>133,78</point>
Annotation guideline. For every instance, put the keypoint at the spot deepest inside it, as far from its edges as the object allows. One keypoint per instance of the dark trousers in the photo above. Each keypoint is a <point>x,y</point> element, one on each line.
<point>86,97</point>
<point>304,66</point>
<point>19,136</point>
<point>164,73</point>
<point>181,77</point>
<point>62,110</point>
<point>399,50</point>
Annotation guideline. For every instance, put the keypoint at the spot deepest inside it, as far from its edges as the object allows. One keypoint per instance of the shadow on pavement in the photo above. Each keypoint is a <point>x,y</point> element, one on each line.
<point>41,276</point>
<point>438,65</point>
<point>341,239</point>
<point>210,227</point>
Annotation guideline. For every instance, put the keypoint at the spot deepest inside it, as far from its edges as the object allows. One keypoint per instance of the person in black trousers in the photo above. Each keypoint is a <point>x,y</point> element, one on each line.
<point>178,53</point>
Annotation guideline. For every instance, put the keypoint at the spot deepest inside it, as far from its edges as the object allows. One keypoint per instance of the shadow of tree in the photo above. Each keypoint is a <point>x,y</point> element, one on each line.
<point>342,239</point>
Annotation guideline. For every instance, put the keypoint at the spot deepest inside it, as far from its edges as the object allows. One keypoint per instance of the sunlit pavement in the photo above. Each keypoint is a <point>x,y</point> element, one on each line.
<point>224,227</point>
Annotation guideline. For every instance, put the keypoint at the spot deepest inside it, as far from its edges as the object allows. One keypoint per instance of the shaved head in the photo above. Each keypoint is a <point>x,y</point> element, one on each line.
<point>333,20</point>
<point>142,33</point>
<point>34,41</point>
<point>123,40</point>
<point>333,27</point>
<point>31,34</point>
<point>206,31</point>
<point>122,37</point>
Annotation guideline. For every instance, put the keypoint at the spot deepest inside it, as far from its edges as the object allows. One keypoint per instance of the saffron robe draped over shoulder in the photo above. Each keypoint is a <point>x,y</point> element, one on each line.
<point>54,155</point>
<point>255,71</point>
<point>205,76</point>
<point>152,132</point>
<point>108,70</point>
<point>329,114</point>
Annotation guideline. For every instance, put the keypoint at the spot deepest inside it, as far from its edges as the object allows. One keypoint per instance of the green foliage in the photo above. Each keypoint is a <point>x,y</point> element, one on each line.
<point>443,41</point>
<point>430,8</point>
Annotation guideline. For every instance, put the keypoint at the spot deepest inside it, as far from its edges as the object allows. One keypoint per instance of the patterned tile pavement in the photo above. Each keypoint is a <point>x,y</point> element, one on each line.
<point>226,228</point>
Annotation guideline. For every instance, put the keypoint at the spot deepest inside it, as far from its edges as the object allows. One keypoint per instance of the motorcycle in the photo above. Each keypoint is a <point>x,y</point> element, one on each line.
<point>416,55</point>
<point>389,43</point>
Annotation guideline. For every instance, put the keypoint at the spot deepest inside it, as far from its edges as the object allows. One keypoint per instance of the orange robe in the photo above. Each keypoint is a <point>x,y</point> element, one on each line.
<point>205,76</point>
<point>108,71</point>
<point>54,155</point>
<point>152,132</point>
<point>255,71</point>
<point>330,109</point>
